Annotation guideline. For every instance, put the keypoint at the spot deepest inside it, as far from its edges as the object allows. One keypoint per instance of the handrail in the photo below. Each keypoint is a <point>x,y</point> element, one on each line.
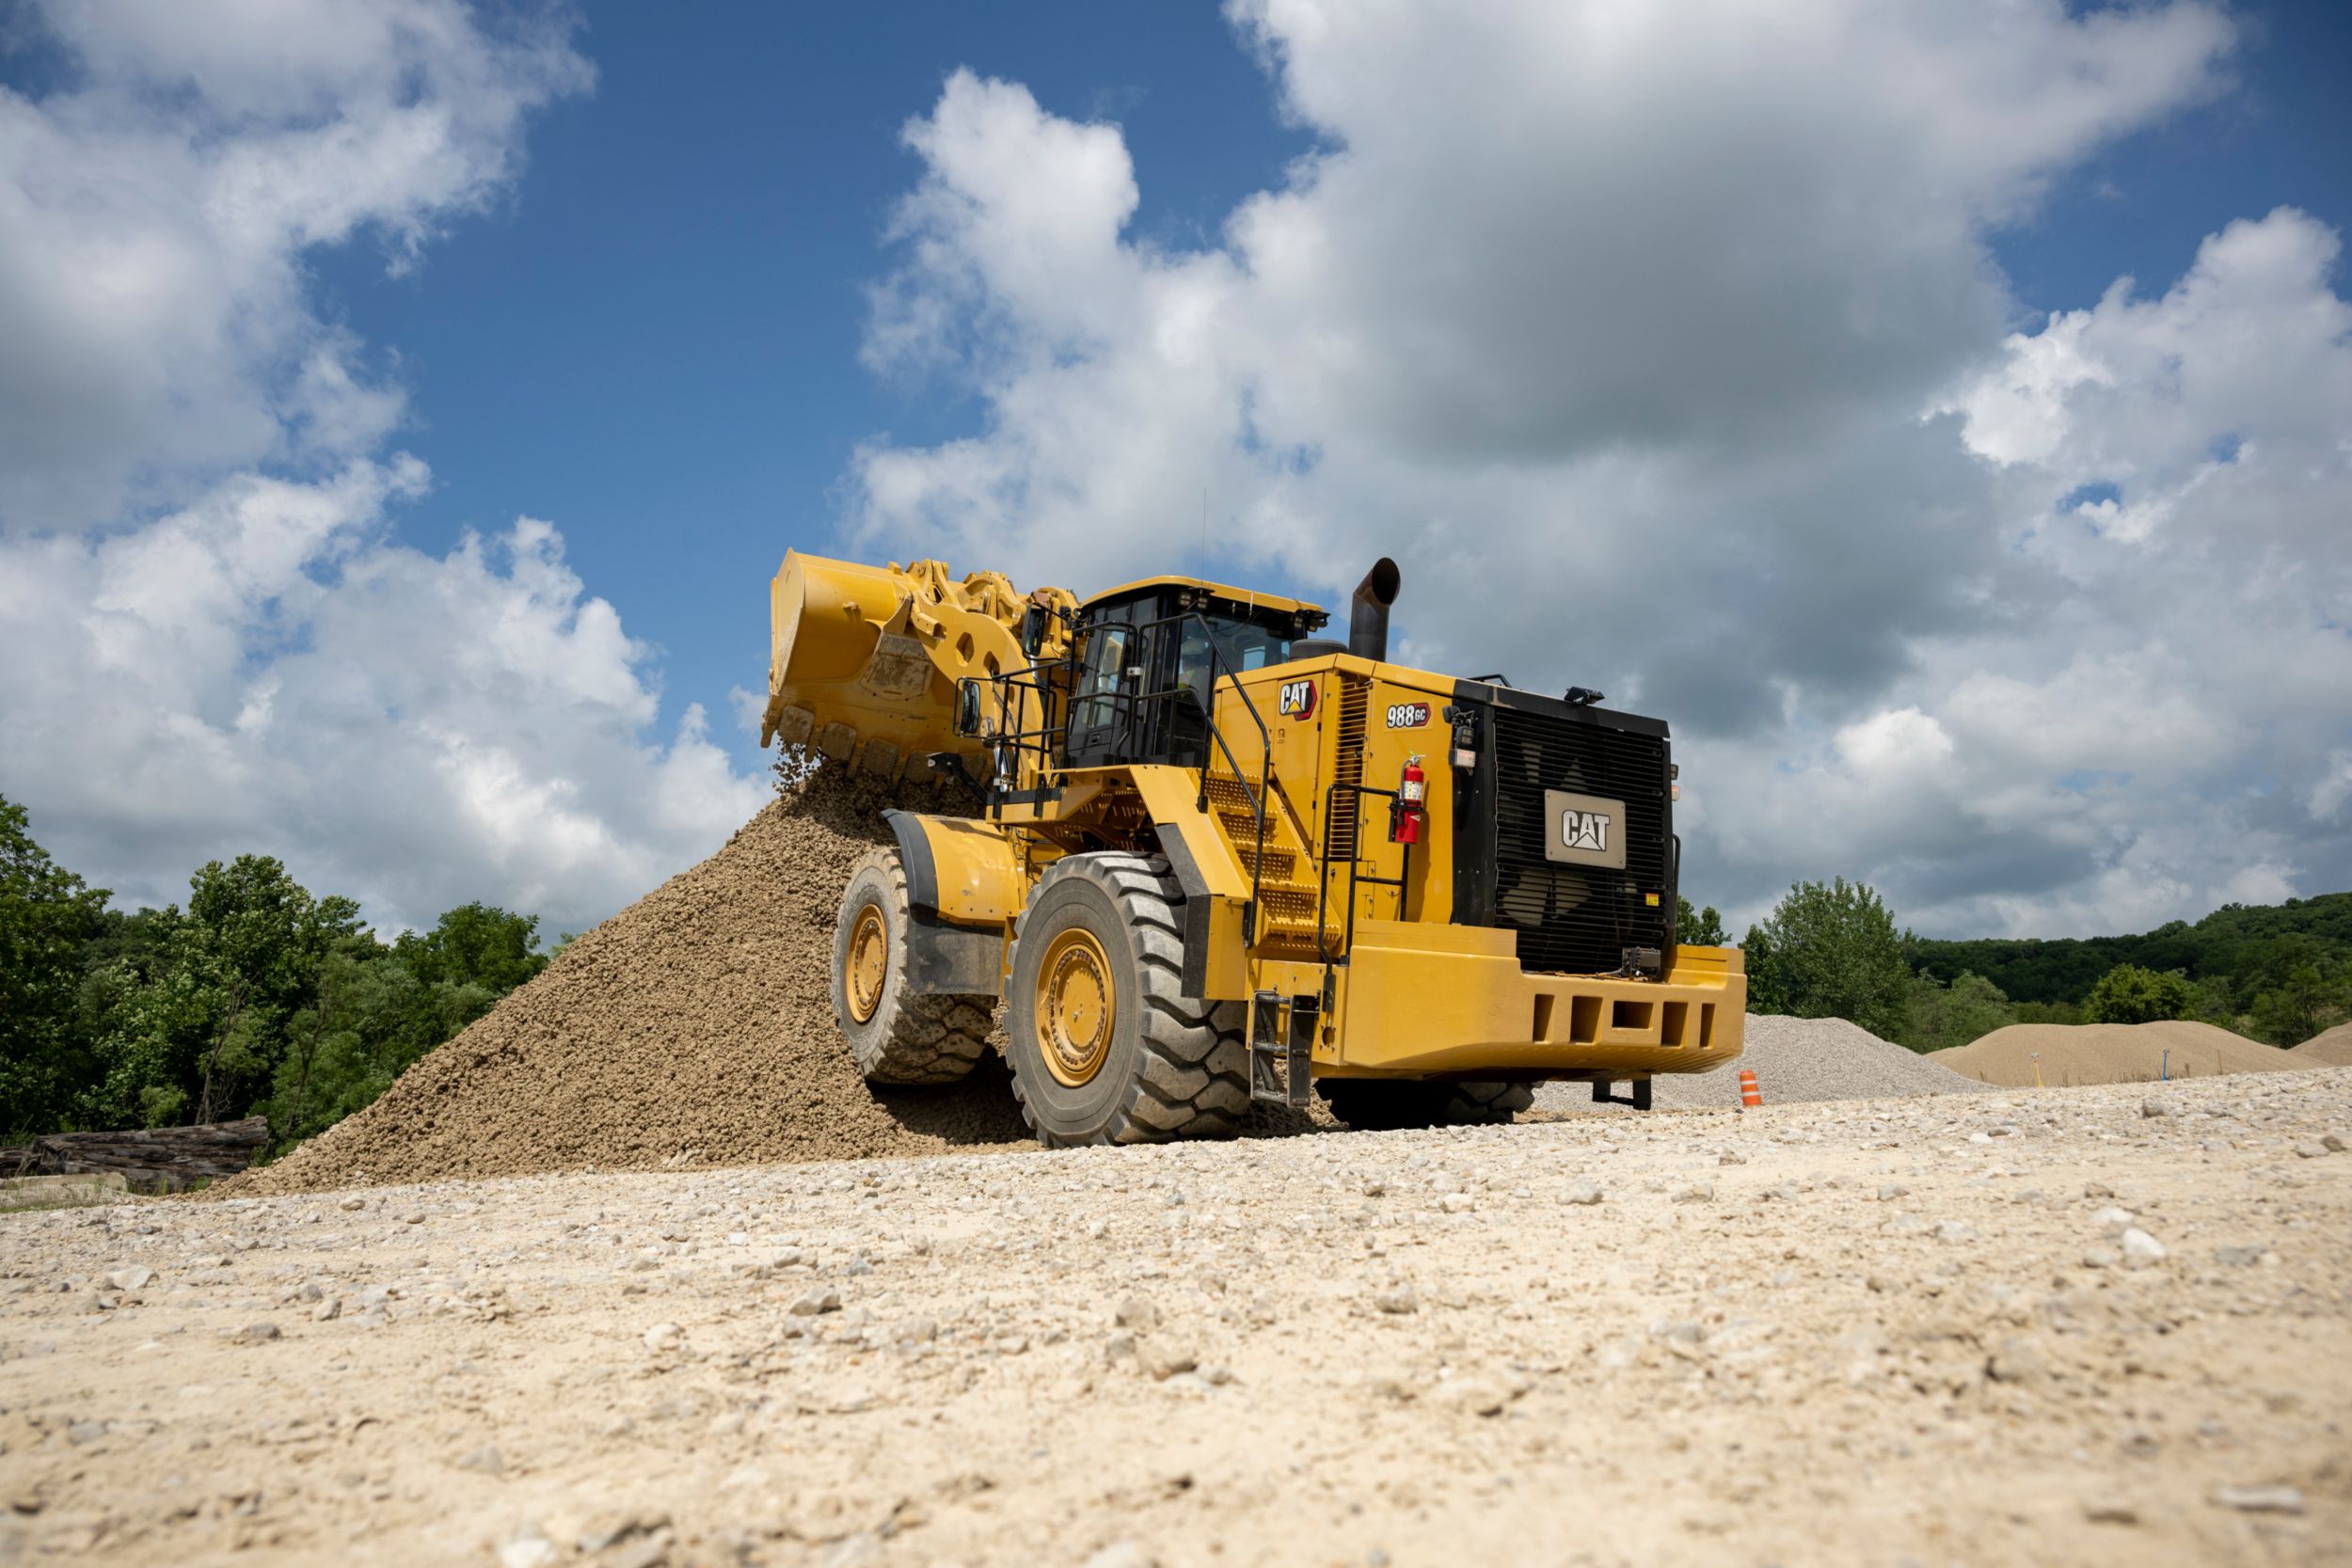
<point>1355,867</point>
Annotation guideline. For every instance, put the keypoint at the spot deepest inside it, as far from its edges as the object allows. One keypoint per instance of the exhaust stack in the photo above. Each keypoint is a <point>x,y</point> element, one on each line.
<point>1368,617</point>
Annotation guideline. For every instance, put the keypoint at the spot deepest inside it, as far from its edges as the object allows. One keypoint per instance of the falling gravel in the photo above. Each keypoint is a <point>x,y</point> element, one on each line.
<point>1794,1060</point>
<point>693,1029</point>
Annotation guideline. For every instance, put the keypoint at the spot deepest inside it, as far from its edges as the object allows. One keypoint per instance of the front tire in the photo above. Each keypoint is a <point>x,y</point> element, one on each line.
<point>895,1035</point>
<point>1104,1045</point>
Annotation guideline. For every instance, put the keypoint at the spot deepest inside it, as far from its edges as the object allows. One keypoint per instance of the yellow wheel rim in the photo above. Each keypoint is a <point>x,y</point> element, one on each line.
<point>869,961</point>
<point>1076,1008</point>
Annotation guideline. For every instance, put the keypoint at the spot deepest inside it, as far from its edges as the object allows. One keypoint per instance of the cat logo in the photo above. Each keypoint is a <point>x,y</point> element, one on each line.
<point>1296,700</point>
<point>1584,830</point>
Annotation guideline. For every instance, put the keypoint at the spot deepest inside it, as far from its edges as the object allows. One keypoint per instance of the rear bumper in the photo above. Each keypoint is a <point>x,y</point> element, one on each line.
<point>1427,1000</point>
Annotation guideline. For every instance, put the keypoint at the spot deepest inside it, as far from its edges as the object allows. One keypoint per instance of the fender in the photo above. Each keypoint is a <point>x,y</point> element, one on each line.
<point>964,884</point>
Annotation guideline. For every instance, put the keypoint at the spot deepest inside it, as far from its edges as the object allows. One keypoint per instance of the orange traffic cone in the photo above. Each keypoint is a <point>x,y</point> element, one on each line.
<point>1749,1093</point>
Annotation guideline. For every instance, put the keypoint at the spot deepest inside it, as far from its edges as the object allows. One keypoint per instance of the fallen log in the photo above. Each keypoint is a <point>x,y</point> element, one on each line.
<point>152,1159</point>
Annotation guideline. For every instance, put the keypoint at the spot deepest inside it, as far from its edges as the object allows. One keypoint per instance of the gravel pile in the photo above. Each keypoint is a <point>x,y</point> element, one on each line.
<point>1794,1059</point>
<point>2064,1055</point>
<point>2332,1048</point>
<point>694,1028</point>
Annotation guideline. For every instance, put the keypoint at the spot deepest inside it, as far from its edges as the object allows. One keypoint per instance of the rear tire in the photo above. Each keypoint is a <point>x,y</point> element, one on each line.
<point>895,1035</point>
<point>1104,1045</point>
<point>1387,1104</point>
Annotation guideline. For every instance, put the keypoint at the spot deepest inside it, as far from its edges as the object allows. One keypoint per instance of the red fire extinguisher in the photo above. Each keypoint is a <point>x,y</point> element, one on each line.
<point>1411,807</point>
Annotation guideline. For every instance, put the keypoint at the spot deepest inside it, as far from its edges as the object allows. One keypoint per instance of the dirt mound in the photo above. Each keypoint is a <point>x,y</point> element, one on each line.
<point>2329,1048</point>
<point>1794,1060</point>
<point>693,1029</point>
<point>2110,1054</point>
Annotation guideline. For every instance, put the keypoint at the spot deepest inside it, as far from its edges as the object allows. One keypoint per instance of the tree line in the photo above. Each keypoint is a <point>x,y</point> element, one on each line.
<point>2279,972</point>
<point>259,998</point>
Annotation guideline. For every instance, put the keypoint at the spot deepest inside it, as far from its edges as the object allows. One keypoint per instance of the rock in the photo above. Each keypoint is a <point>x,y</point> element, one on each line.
<point>1399,1300</point>
<point>528,1551</point>
<point>485,1460</point>
<point>255,1334</point>
<point>1473,1396</point>
<point>2310,1148</point>
<point>2110,1510</point>
<point>663,1337</point>
<point>2336,1143</point>
<point>353,1205</point>
<point>1138,1313</point>
<point>2261,1499</point>
<point>328,1310</point>
<point>2141,1249</point>
<point>606,1531</point>
<point>1696,1192</point>
<point>2016,1361</point>
<point>1783,1192</point>
<point>1123,1554</point>
<point>1375,1188</point>
<point>1165,1361</point>
<point>1731,1157</point>
<point>1889,1192</point>
<point>1585,1194</point>
<point>1954,1230</point>
<point>130,1279</point>
<point>2097,1189</point>
<point>814,1302</point>
<point>2102,1257</point>
<point>1458,1203</point>
<point>414,1216</point>
<point>2155,1108</point>
<point>85,1432</point>
<point>1118,1347</point>
<point>2113,1222</point>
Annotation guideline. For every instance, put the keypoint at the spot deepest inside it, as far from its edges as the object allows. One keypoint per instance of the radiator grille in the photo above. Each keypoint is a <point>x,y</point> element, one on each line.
<point>1572,919</point>
<point>1355,693</point>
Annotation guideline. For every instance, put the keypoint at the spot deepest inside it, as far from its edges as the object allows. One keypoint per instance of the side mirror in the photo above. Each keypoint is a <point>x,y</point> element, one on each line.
<point>967,707</point>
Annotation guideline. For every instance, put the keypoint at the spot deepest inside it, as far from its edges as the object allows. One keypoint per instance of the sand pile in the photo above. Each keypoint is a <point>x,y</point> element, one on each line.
<point>1794,1059</point>
<point>2111,1053</point>
<point>2329,1048</point>
<point>693,1028</point>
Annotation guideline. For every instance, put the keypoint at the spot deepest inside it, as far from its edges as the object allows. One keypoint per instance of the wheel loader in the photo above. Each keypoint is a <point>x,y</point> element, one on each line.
<point>1222,859</point>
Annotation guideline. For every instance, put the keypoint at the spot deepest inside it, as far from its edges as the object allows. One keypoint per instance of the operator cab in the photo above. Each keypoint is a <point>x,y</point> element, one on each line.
<point>1149,656</point>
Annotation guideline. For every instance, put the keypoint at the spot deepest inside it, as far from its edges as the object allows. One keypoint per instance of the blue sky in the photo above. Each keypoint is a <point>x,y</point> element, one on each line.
<point>1667,349</point>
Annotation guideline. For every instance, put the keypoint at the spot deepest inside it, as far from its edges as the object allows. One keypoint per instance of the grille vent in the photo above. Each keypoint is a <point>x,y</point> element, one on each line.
<point>1571,919</point>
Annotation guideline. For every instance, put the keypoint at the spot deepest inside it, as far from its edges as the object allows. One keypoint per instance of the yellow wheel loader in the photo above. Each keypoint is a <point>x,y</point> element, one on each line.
<point>1223,861</point>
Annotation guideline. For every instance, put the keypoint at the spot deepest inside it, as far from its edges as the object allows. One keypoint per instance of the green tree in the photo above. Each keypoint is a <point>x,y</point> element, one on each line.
<point>1829,952</point>
<point>475,944</point>
<point>1699,928</point>
<point>2306,1000</point>
<point>2130,994</point>
<point>1942,1016</point>
<point>47,916</point>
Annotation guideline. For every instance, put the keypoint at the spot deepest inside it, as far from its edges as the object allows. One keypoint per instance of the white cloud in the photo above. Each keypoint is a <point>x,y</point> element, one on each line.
<point>154,216</point>
<point>213,643</point>
<point>1613,325</point>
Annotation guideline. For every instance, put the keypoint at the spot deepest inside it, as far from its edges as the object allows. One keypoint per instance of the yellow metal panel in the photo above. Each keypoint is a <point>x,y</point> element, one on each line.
<point>1248,596</point>
<point>978,869</point>
<point>1173,795</point>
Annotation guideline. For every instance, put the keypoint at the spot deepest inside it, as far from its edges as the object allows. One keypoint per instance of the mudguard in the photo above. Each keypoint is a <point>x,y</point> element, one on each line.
<point>964,884</point>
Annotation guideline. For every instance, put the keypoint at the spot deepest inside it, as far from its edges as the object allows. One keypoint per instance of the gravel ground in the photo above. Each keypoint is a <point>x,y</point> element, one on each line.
<point>2009,1328</point>
<point>1794,1059</point>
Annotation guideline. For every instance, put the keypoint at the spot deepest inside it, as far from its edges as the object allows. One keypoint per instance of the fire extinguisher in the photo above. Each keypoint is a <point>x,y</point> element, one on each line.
<point>1406,812</point>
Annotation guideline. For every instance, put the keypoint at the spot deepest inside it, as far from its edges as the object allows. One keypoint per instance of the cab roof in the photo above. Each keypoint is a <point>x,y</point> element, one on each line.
<point>1247,599</point>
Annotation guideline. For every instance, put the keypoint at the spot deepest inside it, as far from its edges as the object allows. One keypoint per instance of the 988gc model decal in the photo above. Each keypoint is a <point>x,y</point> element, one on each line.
<point>1407,716</point>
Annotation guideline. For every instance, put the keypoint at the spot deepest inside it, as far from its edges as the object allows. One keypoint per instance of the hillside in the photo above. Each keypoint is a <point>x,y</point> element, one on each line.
<point>2233,942</point>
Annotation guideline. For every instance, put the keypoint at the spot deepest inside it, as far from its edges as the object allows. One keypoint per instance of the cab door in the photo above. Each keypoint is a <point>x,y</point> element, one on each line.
<point>1103,703</point>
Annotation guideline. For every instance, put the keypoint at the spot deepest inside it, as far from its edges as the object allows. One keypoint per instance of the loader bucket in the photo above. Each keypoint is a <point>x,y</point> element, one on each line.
<point>865,659</point>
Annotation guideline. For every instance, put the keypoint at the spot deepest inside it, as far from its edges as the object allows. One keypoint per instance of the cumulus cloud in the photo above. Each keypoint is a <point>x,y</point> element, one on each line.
<point>1615,324</point>
<point>213,640</point>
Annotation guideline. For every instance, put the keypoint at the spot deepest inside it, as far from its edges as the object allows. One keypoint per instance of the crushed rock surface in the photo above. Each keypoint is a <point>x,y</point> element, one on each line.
<point>693,1028</point>
<point>1793,1059</point>
<point>2011,1327</point>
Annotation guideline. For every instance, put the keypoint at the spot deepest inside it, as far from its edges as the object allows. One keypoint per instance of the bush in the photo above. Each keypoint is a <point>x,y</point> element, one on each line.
<point>1829,952</point>
<point>2130,994</point>
<point>1942,1016</point>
